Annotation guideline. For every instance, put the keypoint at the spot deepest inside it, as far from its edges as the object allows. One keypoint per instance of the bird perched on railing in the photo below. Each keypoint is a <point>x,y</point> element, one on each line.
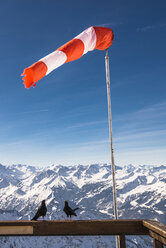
<point>42,210</point>
<point>69,211</point>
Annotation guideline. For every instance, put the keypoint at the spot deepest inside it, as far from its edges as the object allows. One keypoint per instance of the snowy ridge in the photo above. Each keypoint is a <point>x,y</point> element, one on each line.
<point>141,194</point>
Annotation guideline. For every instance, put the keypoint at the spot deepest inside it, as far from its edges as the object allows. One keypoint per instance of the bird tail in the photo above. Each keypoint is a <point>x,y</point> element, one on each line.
<point>35,217</point>
<point>75,209</point>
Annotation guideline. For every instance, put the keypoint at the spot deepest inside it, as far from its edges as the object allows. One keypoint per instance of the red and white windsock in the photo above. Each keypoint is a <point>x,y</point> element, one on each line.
<point>92,38</point>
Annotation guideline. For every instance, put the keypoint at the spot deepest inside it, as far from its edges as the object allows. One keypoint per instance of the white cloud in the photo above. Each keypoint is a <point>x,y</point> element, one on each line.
<point>139,138</point>
<point>152,156</point>
<point>85,124</point>
<point>150,27</point>
<point>110,24</point>
<point>145,28</point>
<point>142,135</point>
<point>151,112</point>
<point>35,111</point>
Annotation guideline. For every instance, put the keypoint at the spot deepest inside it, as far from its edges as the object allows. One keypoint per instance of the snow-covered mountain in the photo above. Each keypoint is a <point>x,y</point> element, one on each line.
<point>141,194</point>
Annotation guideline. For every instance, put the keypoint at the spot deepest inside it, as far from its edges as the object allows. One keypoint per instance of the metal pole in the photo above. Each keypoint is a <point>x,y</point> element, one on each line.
<point>111,141</point>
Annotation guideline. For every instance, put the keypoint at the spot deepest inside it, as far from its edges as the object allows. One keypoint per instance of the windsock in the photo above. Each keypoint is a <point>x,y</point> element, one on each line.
<point>92,38</point>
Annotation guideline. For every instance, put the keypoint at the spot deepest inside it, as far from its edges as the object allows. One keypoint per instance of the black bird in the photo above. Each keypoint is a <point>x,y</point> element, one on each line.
<point>68,210</point>
<point>42,210</point>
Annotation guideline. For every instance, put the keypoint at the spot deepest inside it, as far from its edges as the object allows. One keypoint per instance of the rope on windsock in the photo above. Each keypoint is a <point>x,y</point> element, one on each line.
<point>92,38</point>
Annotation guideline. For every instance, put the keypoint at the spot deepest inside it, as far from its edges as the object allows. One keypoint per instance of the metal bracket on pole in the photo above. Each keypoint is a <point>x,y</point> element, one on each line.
<point>111,141</point>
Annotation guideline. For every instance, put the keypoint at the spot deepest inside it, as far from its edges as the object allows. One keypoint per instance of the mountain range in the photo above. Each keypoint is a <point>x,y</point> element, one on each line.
<point>141,194</point>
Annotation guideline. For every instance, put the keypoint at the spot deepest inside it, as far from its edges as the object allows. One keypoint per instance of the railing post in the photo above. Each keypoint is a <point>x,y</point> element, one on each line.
<point>122,241</point>
<point>157,244</point>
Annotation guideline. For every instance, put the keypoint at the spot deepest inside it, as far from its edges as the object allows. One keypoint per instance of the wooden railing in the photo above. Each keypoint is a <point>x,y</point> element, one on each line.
<point>122,228</point>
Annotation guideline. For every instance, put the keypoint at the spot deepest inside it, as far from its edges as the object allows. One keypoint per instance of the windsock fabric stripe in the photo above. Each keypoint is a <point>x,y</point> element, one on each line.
<point>54,60</point>
<point>92,38</point>
<point>88,37</point>
<point>104,37</point>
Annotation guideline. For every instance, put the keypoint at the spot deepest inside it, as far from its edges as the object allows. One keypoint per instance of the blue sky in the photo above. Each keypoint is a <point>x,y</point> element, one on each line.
<point>64,120</point>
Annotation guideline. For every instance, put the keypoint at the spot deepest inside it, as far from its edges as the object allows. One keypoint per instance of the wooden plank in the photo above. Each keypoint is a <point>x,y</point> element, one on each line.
<point>156,236</point>
<point>16,230</point>
<point>81,227</point>
<point>155,226</point>
<point>157,244</point>
<point>122,241</point>
<point>95,227</point>
<point>156,230</point>
<point>16,223</point>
